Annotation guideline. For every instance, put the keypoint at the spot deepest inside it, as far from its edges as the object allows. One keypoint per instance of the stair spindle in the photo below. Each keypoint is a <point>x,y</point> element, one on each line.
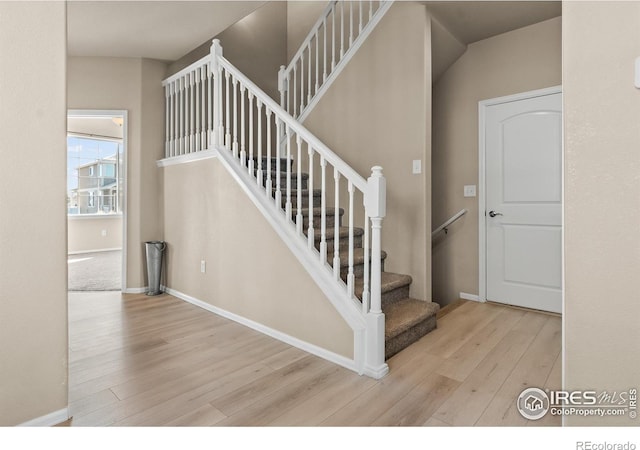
<point>166,122</point>
<point>317,63</point>
<point>365,244</point>
<point>341,29</point>
<point>360,17</point>
<point>191,112</point>
<point>251,164</point>
<point>267,186</point>
<point>309,77</point>
<point>227,136</point>
<point>324,50</point>
<point>370,9</point>
<point>197,94</point>
<point>171,120</point>
<point>181,111</point>
<point>323,212</point>
<point>210,122</point>
<point>259,117</point>
<point>302,83</point>
<point>288,204</point>
<point>203,112</point>
<point>299,218</point>
<point>295,89</point>
<point>278,196</point>
<point>235,118</point>
<point>350,275</point>
<point>350,24</point>
<point>243,150</point>
<point>310,231</point>
<point>333,37</point>
<point>336,226</point>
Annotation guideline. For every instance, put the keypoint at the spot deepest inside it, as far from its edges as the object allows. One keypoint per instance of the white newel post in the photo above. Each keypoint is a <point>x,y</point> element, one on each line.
<point>375,205</point>
<point>216,69</point>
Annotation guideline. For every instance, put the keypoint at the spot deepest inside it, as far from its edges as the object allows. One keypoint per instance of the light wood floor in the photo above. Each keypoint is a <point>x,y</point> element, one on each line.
<point>157,361</point>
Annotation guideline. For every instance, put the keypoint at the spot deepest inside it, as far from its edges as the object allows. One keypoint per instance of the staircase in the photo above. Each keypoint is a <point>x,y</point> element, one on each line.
<point>406,319</point>
<point>327,214</point>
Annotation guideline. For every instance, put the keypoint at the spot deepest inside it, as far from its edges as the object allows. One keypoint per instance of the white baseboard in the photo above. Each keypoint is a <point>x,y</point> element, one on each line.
<point>94,251</point>
<point>48,420</point>
<point>472,297</point>
<point>293,341</point>
<point>138,290</point>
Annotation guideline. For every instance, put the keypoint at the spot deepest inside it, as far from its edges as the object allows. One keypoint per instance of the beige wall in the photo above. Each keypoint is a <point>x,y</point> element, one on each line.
<point>378,113</point>
<point>33,297</point>
<point>132,84</point>
<point>522,60</point>
<point>602,210</point>
<point>85,233</point>
<point>208,216</point>
<point>301,16</point>
<point>256,45</point>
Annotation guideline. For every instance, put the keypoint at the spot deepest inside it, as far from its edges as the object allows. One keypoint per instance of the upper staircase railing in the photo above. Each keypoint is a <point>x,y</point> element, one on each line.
<point>331,43</point>
<point>211,105</point>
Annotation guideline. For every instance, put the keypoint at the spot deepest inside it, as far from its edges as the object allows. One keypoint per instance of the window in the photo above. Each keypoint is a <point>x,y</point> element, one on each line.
<point>94,176</point>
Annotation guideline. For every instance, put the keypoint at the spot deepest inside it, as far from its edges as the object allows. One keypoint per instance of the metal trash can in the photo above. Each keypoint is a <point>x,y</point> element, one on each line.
<point>155,250</point>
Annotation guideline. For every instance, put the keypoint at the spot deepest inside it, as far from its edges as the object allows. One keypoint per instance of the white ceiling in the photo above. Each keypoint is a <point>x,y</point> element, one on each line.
<point>164,30</point>
<point>473,21</point>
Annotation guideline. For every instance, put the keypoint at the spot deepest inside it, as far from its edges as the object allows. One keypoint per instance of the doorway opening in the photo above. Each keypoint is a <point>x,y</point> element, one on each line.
<point>96,193</point>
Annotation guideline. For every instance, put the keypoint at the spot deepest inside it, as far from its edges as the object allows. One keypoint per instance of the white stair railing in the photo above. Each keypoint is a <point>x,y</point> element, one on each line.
<point>211,105</point>
<point>331,43</point>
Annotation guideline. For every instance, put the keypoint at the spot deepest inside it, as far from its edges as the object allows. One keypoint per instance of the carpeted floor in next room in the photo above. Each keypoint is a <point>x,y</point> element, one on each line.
<point>100,271</point>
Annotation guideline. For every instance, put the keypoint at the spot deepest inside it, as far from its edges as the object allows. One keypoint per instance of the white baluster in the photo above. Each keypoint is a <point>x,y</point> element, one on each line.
<point>324,50</point>
<point>299,218</point>
<point>341,29</point>
<point>235,118</point>
<point>309,77</point>
<point>360,15</point>
<point>365,244</point>
<point>278,196</point>
<point>336,226</point>
<point>171,119</point>
<point>227,101</point>
<point>259,175</point>
<point>350,24</point>
<point>288,204</point>
<point>310,231</point>
<point>251,163</point>
<point>243,150</point>
<point>210,122</point>
<point>333,37</point>
<point>301,82</point>
<point>166,121</point>
<point>191,112</point>
<point>323,212</point>
<point>268,185</point>
<point>350,275</point>
<point>288,81</point>
<point>317,62</point>
<point>370,9</point>
<point>203,113</point>
<point>197,94</point>
<point>295,89</point>
<point>181,112</point>
<point>281,87</point>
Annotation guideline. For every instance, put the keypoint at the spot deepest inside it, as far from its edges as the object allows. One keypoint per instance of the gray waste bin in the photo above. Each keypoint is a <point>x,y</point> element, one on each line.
<point>155,250</point>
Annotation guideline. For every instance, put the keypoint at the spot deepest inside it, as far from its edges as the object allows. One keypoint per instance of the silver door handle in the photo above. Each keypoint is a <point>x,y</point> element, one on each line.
<point>493,214</point>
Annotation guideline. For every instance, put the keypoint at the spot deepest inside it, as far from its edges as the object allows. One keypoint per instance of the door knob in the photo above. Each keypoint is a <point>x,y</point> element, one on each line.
<point>493,214</point>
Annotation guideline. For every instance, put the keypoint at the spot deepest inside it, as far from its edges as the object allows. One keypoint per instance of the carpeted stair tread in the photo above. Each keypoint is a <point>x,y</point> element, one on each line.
<point>389,282</point>
<point>317,212</point>
<point>404,314</point>
<point>358,257</point>
<point>317,193</point>
<point>343,233</point>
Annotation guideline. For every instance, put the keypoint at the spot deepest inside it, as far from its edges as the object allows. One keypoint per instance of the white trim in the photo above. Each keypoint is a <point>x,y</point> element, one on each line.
<point>138,290</point>
<point>93,216</point>
<point>472,297</point>
<point>482,235</point>
<point>190,157</point>
<point>48,420</point>
<point>94,251</point>
<point>125,180</point>
<point>279,335</point>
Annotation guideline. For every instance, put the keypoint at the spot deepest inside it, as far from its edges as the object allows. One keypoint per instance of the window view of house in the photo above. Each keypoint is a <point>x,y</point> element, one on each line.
<point>93,176</point>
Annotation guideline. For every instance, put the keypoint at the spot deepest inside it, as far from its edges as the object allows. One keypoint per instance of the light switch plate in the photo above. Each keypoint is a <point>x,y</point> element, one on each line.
<point>470,190</point>
<point>417,166</point>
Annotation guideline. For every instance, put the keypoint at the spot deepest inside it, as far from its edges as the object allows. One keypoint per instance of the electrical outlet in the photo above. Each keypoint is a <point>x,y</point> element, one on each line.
<point>470,190</point>
<point>203,266</point>
<point>417,166</point>
<point>104,233</point>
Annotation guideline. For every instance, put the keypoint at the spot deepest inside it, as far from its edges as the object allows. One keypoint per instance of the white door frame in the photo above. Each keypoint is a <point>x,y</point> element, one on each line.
<point>482,232</point>
<point>123,113</point>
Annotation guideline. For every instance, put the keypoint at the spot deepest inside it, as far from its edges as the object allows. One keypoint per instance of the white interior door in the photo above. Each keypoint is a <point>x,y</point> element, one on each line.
<point>523,220</point>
